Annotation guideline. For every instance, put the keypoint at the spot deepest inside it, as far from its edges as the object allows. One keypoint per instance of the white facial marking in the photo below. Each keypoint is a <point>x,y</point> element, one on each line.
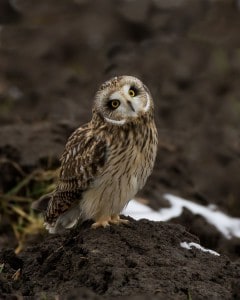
<point>146,108</point>
<point>126,88</point>
<point>136,101</point>
<point>115,95</point>
<point>116,122</point>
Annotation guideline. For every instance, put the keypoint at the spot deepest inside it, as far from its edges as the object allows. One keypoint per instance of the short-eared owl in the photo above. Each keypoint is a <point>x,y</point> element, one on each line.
<point>106,161</point>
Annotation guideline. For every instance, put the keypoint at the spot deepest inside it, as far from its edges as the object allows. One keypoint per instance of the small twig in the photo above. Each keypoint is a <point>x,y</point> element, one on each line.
<point>16,275</point>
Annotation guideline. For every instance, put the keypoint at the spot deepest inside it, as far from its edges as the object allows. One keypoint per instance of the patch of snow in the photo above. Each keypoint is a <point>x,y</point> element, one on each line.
<point>189,246</point>
<point>139,211</point>
<point>227,225</point>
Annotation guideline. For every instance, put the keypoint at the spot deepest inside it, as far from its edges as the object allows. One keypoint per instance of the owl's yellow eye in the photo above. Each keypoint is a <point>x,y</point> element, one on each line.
<point>114,103</point>
<point>132,93</point>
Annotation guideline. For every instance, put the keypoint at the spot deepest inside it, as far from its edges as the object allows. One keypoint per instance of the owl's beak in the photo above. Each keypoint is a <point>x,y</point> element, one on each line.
<point>131,106</point>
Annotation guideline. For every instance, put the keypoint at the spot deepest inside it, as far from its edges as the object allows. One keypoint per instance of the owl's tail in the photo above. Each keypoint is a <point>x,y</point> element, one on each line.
<point>65,220</point>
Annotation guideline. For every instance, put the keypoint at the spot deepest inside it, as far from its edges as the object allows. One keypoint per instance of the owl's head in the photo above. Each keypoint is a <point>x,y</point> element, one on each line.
<point>123,99</point>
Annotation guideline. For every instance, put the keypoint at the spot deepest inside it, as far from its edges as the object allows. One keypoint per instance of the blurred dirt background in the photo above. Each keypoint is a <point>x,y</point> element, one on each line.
<point>55,54</point>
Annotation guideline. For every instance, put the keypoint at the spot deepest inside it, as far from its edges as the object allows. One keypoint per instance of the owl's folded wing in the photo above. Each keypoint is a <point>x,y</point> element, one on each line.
<point>83,159</point>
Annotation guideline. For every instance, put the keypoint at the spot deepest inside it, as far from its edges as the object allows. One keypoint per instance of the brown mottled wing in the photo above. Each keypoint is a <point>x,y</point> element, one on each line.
<point>82,160</point>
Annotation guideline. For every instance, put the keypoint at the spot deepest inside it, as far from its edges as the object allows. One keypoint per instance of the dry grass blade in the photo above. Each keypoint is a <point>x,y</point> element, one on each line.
<point>14,164</point>
<point>16,275</point>
<point>1,267</point>
<point>47,175</point>
<point>26,230</point>
<point>15,198</point>
<point>22,183</point>
<point>23,214</point>
<point>16,204</point>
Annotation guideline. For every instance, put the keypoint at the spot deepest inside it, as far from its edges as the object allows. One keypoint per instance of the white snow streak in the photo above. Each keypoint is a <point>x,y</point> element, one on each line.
<point>189,246</point>
<point>227,225</point>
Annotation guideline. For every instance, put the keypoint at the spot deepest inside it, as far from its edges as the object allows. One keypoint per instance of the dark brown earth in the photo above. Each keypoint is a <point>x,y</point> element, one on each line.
<point>53,57</point>
<point>142,257</point>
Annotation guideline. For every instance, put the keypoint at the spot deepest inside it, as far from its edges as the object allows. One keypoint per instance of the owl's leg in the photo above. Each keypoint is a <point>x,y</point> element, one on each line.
<point>101,222</point>
<point>115,219</point>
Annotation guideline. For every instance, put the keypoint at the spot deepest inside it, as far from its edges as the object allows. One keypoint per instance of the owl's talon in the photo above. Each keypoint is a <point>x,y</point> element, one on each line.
<point>118,222</point>
<point>98,224</point>
<point>115,219</point>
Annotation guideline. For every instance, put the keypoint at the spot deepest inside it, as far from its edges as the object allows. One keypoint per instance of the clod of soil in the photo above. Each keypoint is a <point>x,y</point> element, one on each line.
<point>124,262</point>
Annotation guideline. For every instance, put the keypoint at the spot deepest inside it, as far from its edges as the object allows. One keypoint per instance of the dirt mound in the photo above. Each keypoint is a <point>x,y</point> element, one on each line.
<point>141,258</point>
